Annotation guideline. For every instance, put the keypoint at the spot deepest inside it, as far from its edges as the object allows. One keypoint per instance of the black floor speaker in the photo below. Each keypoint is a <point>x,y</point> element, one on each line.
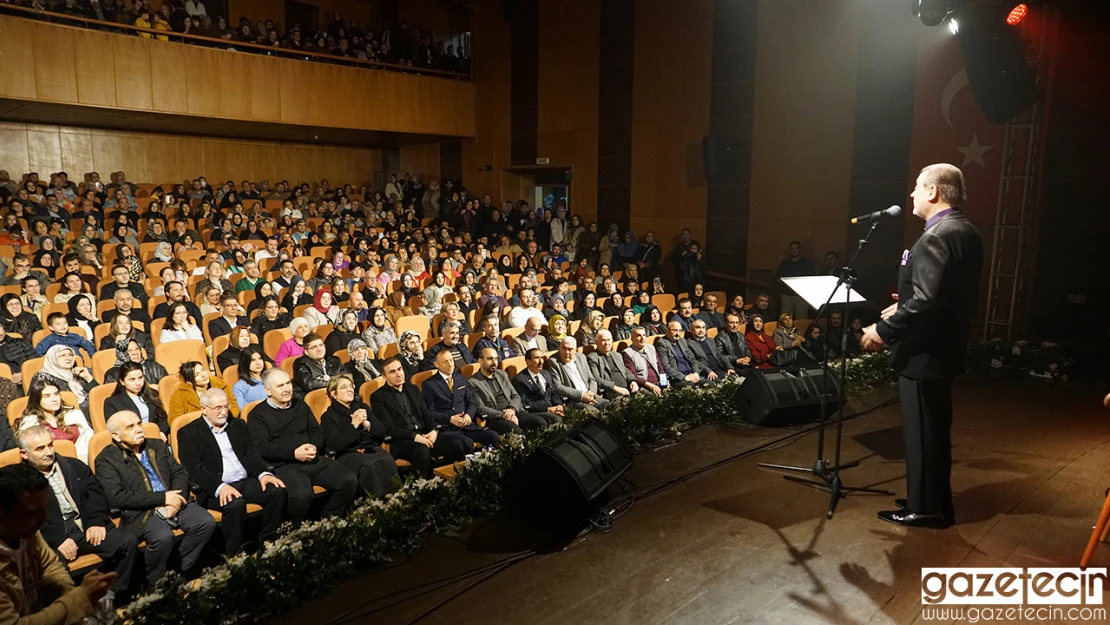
<point>564,482</point>
<point>788,396</point>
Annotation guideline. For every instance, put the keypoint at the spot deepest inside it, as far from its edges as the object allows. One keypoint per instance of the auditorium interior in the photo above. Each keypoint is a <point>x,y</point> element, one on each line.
<point>258,225</point>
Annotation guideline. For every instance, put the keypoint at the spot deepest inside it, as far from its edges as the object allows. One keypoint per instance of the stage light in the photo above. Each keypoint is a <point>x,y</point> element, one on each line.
<point>1017,14</point>
<point>954,26</point>
<point>933,12</point>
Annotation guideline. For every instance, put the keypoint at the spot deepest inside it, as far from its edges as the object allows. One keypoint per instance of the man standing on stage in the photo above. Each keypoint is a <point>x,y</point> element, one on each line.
<point>938,290</point>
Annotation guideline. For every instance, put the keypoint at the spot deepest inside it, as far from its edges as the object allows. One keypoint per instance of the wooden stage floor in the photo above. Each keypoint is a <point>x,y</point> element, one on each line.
<point>738,544</point>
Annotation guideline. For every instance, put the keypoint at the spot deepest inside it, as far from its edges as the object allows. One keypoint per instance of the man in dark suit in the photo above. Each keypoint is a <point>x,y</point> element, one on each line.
<point>707,349</point>
<point>574,381</point>
<point>499,403</point>
<point>536,386</point>
<point>175,292</point>
<point>938,290</point>
<point>141,478</point>
<point>607,366</point>
<point>412,427</point>
<point>78,520</point>
<point>732,345</point>
<point>683,364</point>
<point>447,395</point>
<point>228,473</point>
<point>229,317</point>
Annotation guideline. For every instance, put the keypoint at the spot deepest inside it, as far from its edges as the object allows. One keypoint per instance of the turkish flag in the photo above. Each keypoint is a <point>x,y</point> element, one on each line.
<point>949,127</point>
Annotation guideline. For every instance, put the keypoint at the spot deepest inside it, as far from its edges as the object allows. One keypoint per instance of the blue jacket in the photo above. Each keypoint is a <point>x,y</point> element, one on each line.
<point>76,341</point>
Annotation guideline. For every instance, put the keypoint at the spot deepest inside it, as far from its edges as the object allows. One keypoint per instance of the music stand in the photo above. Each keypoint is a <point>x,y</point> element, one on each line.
<point>820,292</point>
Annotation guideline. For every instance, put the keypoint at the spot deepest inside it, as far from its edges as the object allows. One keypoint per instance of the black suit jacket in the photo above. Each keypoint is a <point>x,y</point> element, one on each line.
<point>443,404</point>
<point>220,327</point>
<point>123,402</point>
<point>201,457</point>
<point>161,310</point>
<point>127,486</point>
<point>389,405</point>
<point>87,495</point>
<point>692,354</point>
<point>138,313</point>
<point>531,396</point>
<point>713,358</point>
<point>938,291</point>
<point>712,319</point>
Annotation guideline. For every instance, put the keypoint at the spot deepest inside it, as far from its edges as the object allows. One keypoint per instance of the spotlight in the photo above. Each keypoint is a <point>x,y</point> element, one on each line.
<point>1017,14</point>
<point>953,26</point>
<point>932,12</point>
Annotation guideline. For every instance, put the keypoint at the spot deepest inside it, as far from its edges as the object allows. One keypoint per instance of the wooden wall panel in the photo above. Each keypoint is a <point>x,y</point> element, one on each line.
<point>44,151</point>
<point>146,75</point>
<point>57,53</point>
<point>76,153</point>
<point>568,66</point>
<point>421,159</point>
<point>190,159</point>
<point>169,86</point>
<point>17,49</point>
<point>265,93</point>
<point>233,85</point>
<point>806,53</point>
<point>162,160</point>
<point>96,75</point>
<point>13,150</point>
<point>132,62</point>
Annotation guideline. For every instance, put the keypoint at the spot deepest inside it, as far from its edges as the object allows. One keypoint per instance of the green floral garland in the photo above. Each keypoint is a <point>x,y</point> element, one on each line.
<point>317,555</point>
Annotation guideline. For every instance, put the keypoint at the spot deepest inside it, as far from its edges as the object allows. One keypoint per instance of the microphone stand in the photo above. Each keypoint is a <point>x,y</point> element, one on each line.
<point>828,475</point>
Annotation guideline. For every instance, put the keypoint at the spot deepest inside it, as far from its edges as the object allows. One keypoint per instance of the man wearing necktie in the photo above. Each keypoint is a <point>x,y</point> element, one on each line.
<point>448,397</point>
<point>536,386</point>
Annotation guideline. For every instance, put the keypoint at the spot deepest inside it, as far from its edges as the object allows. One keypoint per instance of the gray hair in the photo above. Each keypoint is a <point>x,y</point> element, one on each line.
<point>451,325</point>
<point>297,322</point>
<point>696,322</point>
<point>603,333</point>
<point>211,395</point>
<point>30,434</point>
<point>268,376</point>
<point>113,421</point>
<point>570,340</point>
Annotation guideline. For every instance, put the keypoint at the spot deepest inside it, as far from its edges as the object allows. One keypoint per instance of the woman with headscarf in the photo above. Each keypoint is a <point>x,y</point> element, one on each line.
<point>156,233</point>
<point>433,295</point>
<point>643,300</point>
<point>82,314</point>
<point>584,304</point>
<point>621,327</point>
<point>129,351</point>
<point>614,307</point>
<point>652,320</point>
<point>759,344</point>
<point>587,332</point>
<point>362,366</point>
<point>293,347</point>
<point>411,350</point>
<point>557,328</point>
<point>16,319</point>
<point>126,257</point>
<point>262,290</point>
<point>323,311</point>
<point>556,305</point>
<point>296,294</point>
<point>47,256</point>
<point>626,250</point>
<point>59,367</point>
<point>345,331</point>
<point>379,333</point>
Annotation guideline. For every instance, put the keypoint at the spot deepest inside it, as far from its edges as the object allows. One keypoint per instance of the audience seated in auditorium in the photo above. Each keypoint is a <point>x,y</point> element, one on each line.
<point>685,314</point>
<point>378,333</point>
<point>573,379</point>
<point>291,440</point>
<point>54,599</point>
<point>708,350</point>
<point>499,404</point>
<point>536,387</point>
<point>709,313</point>
<point>60,335</point>
<point>294,346</point>
<point>412,426</point>
<point>352,435</point>
<point>315,368</point>
<point>447,395</point>
<point>15,319</point>
<point>78,518</point>
<point>491,338</point>
<point>46,409</point>
<point>732,344</point>
<point>614,380</point>
<point>760,346</point>
<point>230,316</point>
<point>642,361</point>
<point>763,307</point>
<point>151,490</point>
<point>60,368</point>
<point>228,473</point>
<point>195,379</point>
<point>683,363</point>
<point>133,394</point>
<point>451,343</point>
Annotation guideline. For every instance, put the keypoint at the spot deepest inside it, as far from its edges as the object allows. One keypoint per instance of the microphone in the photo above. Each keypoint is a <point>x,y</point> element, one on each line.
<point>893,211</point>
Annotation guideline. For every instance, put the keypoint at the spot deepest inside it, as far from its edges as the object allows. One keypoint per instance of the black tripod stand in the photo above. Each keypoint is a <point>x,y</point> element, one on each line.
<point>828,476</point>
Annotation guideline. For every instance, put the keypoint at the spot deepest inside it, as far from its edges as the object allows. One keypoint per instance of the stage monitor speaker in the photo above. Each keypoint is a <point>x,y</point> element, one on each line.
<point>789,396</point>
<point>994,56</point>
<point>564,482</point>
